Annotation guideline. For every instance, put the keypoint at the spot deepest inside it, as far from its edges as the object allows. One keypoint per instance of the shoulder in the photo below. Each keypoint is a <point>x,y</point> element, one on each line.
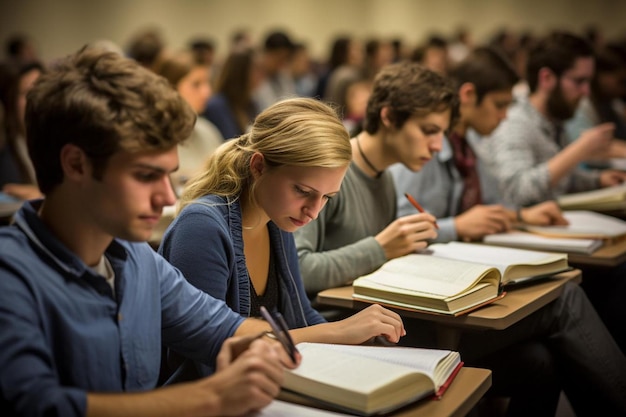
<point>207,214</point>
<point>17,253</point>
<point>216,101</point>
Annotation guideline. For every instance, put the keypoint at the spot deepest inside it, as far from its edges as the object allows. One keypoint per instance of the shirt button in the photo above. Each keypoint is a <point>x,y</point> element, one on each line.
<point>120,317</point>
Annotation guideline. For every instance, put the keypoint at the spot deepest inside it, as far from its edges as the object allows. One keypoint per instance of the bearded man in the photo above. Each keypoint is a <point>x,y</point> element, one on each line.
<point>530,155</point>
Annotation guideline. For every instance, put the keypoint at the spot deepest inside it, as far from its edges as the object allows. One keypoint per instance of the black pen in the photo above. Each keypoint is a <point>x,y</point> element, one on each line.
<point>282,336</point>
<point>283,324</point>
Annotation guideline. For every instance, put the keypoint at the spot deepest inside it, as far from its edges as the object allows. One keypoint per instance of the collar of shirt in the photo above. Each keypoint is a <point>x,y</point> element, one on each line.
<point>38,233</point>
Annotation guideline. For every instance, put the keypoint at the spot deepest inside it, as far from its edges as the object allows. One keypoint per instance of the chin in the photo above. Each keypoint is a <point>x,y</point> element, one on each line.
<point>289,228</point>
<point>414,167</point>
<point>137,236</point>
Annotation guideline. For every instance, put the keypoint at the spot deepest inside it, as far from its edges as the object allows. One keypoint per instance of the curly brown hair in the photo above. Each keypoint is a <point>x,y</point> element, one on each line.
<point>102,103</point>
<point>408,89</point>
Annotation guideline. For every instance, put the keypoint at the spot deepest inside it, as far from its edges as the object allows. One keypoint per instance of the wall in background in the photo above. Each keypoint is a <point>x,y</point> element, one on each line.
<point>61,26</point>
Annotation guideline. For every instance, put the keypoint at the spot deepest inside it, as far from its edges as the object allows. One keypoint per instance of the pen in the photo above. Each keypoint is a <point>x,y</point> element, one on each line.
<point>417,206</point>
<point>283,325</point>
<point>281,331</point>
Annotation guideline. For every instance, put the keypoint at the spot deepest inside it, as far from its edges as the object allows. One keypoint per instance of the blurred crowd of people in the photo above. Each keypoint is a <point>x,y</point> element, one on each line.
<point>228,89</point>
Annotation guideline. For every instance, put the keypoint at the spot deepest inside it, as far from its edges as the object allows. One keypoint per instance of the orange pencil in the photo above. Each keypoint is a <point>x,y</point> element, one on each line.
<point>417,206</point>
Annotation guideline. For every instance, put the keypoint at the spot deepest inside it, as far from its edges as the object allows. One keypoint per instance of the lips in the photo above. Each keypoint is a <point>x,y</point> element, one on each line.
<point>297,222</point>
<point>152,219</point>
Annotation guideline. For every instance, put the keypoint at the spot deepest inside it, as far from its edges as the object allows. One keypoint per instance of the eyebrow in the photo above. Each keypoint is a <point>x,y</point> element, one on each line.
<point>431,125</point>
<point>154,168</point>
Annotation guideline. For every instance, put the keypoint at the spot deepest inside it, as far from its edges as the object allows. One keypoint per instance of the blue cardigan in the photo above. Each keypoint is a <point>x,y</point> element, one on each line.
<point>205,242</point>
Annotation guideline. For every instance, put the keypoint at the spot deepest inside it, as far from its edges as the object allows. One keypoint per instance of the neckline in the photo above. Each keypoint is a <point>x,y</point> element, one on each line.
<point>367,161</point>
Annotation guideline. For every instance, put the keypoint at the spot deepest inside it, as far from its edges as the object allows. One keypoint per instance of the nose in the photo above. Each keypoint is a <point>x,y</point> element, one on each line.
<point>313,208</point>
<point>437,143</point>
<point>165,195</point>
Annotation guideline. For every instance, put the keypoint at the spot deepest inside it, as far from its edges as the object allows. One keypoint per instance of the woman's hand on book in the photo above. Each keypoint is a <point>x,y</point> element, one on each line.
<point>407,234</point>
<point>368,323</point>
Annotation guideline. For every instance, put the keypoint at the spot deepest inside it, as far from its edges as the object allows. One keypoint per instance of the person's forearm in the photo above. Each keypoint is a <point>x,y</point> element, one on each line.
<point>166,402</point>
<point>338,267</point>
<point>252,326</point>
<point>561,164</point>
<point>320,333</point>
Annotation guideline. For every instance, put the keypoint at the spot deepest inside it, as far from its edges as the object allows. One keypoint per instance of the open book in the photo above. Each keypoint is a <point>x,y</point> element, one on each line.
<point>278,408</point>
<point>585,225</point>
<point>603,199</point>
<point>451,278</point>
<point>369,380</point>
<point>526,240</point>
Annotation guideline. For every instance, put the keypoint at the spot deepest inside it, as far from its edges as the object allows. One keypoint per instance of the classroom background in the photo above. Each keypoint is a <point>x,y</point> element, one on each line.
<point>62,26</point>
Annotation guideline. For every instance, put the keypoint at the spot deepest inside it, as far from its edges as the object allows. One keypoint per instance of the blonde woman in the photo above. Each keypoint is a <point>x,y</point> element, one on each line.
<point>232,237</point>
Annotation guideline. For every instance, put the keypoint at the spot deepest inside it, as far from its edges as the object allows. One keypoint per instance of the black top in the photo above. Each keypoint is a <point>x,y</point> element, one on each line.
<point>269,299</point>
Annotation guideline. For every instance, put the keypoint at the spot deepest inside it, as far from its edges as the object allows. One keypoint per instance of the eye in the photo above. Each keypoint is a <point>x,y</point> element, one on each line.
<point>147,176</point>
<point>301,191</point>
<point>430,132</point>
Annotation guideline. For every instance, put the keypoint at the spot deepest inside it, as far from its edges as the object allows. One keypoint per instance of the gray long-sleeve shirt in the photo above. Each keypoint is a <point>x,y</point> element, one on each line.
<point>339,245</point>
<point>519,151</point>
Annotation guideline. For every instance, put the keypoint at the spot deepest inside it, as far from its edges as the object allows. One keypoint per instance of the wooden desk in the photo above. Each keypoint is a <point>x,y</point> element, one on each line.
<point>466,390</point>
<point>612,254</point>
<point>514,306</point>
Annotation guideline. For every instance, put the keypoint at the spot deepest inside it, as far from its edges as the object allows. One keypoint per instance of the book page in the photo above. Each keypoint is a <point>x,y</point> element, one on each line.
<point>615,193</point>
<point>500,257</point>
<point>618,163</point>
<point>424,360</point>
<point>428,275</point>
<point>584,224</point>
<point>531,240</point>
<point>279,408</point>
<point>417,358</point>
<point>337,368</point>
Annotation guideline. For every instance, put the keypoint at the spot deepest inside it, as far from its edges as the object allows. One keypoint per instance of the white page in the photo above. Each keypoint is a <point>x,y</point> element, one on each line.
<point>417,358</point>
<point>542,242</point>
<point>346,370</point>
<point>585,223</point>
<point>279,408</point>
<point>426,274</point>
<point>500,257</point>
<point>618,163</point>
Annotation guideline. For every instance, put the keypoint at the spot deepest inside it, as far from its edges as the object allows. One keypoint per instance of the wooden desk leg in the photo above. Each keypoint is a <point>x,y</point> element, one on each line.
<point>448,337</point>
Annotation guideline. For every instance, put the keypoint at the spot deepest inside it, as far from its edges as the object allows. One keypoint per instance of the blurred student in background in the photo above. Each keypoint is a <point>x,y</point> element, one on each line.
<point>17,175</point>
<point>233,107</point>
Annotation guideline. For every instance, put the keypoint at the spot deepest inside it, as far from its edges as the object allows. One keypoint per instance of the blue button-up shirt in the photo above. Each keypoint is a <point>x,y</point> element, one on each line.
<point>63,332</point>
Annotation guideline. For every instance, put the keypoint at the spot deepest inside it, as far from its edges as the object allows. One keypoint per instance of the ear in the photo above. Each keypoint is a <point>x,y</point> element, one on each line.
<point>384,117</point>
<point>467,94</point>
<point>546,79</point>
<point>257,165</point>
<point>74,162</point>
